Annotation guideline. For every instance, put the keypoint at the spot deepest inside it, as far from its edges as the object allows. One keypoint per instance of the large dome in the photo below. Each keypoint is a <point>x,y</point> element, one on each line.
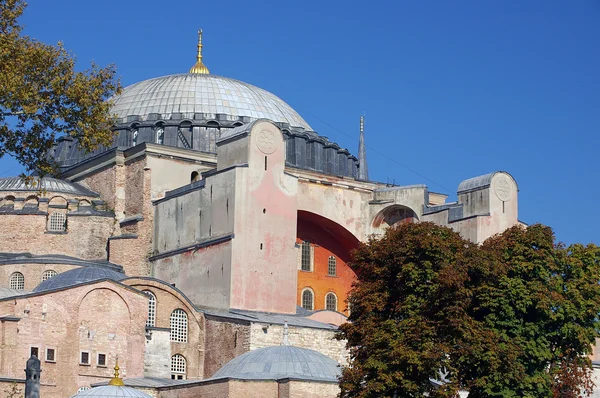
<point>190,94</point>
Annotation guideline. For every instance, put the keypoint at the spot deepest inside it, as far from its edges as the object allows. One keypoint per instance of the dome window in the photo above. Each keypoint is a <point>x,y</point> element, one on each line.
<point>160,136</point>
<point>178,367</point>
<point>179,326</point>
<point>308,299</point>
<point>48,274</point>
<point>17,281</point>
<point>331,302</point>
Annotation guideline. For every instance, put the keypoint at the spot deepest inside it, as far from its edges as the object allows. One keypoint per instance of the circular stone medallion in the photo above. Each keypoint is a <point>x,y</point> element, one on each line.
<point>503,188</point>
<point>266,142</point>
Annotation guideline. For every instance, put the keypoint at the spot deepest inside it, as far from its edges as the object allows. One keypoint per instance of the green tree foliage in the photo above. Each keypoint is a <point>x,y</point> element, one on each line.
<point>514,317</point>
<point>43,97</point>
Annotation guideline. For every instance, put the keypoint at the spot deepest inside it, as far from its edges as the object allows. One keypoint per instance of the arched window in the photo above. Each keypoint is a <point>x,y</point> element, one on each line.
<point>17,281</point>
<point>57,222</point>
<point>331,266</point>
<point>48,274</point>
<point>160,135</point>
<point>308,299</point>
<point>195,176</point>
<point>178,366</point>
<point>134,137</point>
<point>306,260</point>
<point>331,302</point>
<point>151,308</point>
<point>82,389</point>
<point>179,326</point>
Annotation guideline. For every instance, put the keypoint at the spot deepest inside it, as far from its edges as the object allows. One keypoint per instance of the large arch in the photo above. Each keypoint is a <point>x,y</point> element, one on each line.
<point>316,228</point>
<point>394,215</point>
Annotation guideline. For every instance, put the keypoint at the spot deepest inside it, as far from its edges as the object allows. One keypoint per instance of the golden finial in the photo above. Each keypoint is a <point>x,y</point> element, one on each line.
<point>199,68</point>
<point>116,381</point>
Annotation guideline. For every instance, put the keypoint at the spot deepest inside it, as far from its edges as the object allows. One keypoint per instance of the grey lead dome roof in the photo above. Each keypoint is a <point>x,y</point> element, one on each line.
<point>77,276</point>
<point>47,184</point>
<point>112,391</point>
<point>208,94</point>
<point>281,362</point>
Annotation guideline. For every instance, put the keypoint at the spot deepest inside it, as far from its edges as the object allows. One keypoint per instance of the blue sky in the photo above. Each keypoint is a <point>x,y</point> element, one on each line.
<point>450,90</point>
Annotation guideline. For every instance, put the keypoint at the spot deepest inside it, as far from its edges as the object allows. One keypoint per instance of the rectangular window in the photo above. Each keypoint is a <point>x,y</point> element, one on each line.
<point>85,358</point>
<point>305,261</point>
<point>34,351</point>
<point>50,355</point>
<point>101,360</point>
<point>57,222</point>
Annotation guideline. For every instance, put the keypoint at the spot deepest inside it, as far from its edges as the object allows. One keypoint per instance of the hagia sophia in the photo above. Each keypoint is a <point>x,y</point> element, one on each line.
<point>206,251</point>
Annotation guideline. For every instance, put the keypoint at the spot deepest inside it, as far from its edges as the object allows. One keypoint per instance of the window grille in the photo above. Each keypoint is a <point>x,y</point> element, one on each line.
<point>178,366</point>
<point>331,302</point>
<point>82,389</point>
<point>17,281</point>
<point>48,274</point>
<point>179,326</point>
<point>331,266</point>
<point>160,135</point>
<point>57,222</point>
<point>305,256</point>
<point>151,308</point>
<point>307,299</point>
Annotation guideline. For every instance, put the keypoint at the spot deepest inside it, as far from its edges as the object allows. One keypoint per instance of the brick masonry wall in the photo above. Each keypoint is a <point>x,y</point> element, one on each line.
<point>85,237</point>
<point>168,300</point>
<point>99,318</point>
<point>224,341</point>
<point>319,340</point>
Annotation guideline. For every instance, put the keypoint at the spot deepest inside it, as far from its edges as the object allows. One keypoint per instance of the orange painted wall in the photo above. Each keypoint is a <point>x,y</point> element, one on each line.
<point>325,245</point>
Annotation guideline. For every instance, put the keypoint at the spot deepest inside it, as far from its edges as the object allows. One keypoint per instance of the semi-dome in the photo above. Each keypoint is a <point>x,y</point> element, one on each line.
<point>77,276</point>
<point>194,93</point>
<point>281,362</point>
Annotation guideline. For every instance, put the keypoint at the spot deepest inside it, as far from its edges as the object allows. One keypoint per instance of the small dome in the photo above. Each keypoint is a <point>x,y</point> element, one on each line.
<point>77,276</point>
<point>47,184</point>
<point>281,362</point>
<point>191,93</point>
<point>112,391</point>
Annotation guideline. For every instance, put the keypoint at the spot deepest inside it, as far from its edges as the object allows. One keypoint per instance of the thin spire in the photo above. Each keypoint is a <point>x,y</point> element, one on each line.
<point>285,334</point>
<point>363,170</point>
<point>116,381</point>
<point>199,67</point>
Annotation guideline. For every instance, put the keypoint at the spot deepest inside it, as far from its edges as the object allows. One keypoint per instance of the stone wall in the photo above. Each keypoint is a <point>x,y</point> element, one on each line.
<point>306,389</point>
<point>320,340</point>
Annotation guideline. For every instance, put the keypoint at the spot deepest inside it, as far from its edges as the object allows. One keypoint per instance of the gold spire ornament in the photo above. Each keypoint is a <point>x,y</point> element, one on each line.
<point>199,68</point>
<point>116,381</point>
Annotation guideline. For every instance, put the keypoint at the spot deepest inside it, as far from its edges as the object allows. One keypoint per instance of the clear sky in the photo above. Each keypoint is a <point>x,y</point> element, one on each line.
<point>450,89</point>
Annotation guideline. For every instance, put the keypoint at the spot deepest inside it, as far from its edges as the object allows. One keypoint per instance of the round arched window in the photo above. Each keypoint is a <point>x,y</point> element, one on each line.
<point>48,274</point>
<point>331,302</point>
<point>308,299</point>
<point>178,367</point>
<point>17,281</point>
<point>179,326</point>
<point>151,308</point>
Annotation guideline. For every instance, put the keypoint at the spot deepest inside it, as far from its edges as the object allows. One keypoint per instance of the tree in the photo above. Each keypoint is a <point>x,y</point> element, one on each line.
<point>540,300</point>
<point>514,317</point>
<point>409,307</point>
<point>43,97</point>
